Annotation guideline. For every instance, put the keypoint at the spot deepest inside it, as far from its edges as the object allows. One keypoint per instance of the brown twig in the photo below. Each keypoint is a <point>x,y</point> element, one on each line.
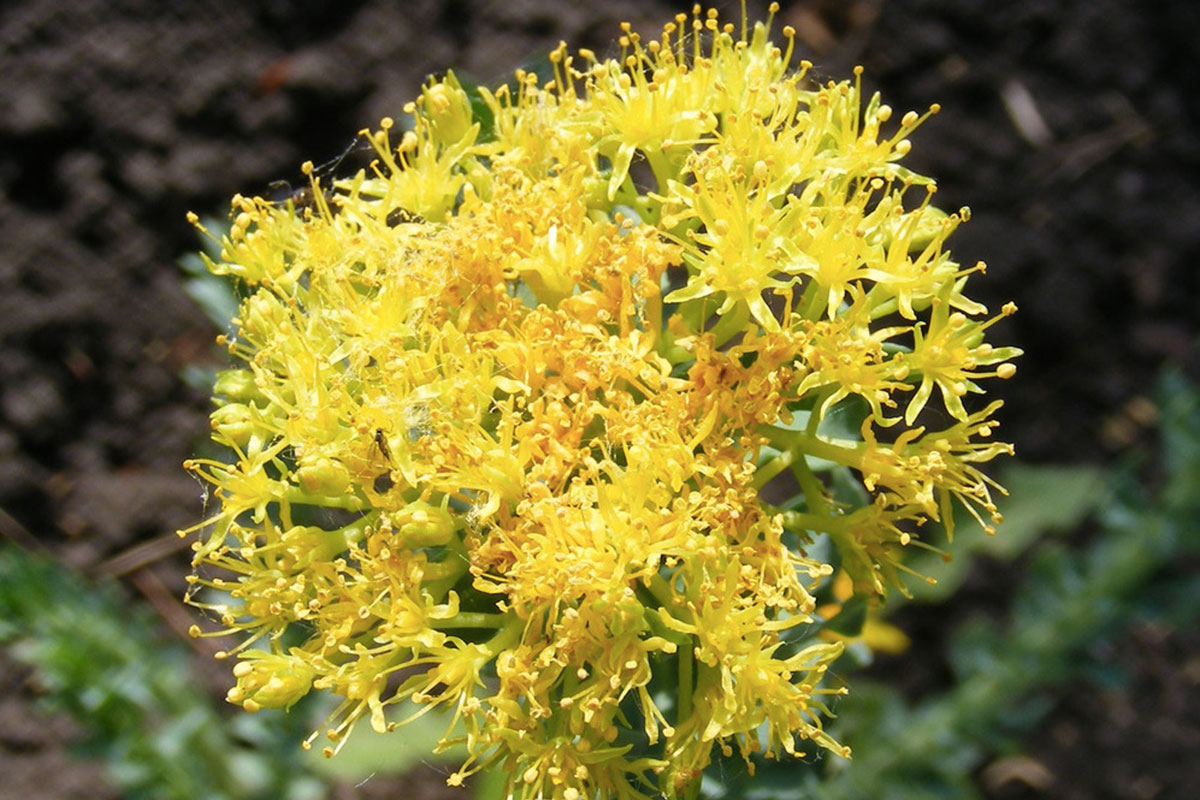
<point>170,609</point>
<point>19,535</point>
<point>141,555</point>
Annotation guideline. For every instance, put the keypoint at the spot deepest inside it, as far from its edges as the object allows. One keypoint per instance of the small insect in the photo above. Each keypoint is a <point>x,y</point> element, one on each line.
<point>281,193</point>
<point>381,441</point>
<point>398,216</point>
<point>383,482</point>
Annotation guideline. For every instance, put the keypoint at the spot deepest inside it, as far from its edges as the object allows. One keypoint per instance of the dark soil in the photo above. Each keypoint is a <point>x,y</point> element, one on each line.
<point>1068,127</point>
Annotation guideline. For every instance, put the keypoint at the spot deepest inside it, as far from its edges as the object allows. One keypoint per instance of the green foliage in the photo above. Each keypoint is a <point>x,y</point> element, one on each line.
<point>142,708</point>
<point>216,296</point>
<point>1042,499</point>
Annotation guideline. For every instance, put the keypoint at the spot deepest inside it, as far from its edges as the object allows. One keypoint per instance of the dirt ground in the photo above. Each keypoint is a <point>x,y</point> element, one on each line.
<point>1068,127</point>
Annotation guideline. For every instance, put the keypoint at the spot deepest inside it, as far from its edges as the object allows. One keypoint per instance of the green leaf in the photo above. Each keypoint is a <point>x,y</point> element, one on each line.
<point>1041,499</point>
<point>216,295</point>
<point>849,621</point>
<point>1179,410</point>
<point>368,753</point>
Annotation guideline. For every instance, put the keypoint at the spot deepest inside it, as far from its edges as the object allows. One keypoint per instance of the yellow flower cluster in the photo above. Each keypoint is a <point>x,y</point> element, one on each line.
<point>520,406</point>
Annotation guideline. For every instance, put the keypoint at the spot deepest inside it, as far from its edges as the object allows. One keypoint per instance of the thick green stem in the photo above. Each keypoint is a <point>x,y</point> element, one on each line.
<point>355,531</point>
<point>471,619</point>
<point>798,521</point>
<point>686,677</point>
<point>839,454</point>
<point>509,635</point>
<point>767,472</point>
<point>298,496</point>
<point>730,324</point>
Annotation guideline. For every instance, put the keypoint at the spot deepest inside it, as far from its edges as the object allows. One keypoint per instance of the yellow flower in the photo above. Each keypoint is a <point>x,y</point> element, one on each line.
<point>649,102</point>
<point>745,246</point>
<point>947,353</point>
<point>510,413</point>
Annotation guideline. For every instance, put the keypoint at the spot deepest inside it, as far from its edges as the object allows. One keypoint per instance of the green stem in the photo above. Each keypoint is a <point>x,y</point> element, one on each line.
<point>438,578</point>
<point>695,312</point>
<point>686,664</point>
<point>509,635</point>
<point>798,521</point>
<point>665,596</point>
<point>767,472</point>
<point>441,575</point>
<point>730,324</point>
<point>471,619</point>
<point>672,352</point>
<point>812,446</point>
<point>653,617</point>
<point>653,318</point>
<point>349,502</point>
<point>814,491</point>
<point>814,418</point>
<point>880,304</point>
<point>812,303</point>
<point>355,531</point>
<point>661,168</point>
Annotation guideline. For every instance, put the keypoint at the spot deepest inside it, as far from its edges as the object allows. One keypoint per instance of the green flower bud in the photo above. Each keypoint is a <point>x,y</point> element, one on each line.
<point>235,422</point>
<point>269,680</point>
<point>322,476</point>
<point>306,544</point>
<point>422,525</point>
<point>236,385</point>
<point>448,110</point>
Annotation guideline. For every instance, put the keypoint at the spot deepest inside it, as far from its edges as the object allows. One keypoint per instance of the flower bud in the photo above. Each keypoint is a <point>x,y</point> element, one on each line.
<point>236,385</point>
<point>322,476</point>
<point>307,544</point>
<point>448,110</point>
<point>235,422</point>
<point>262,314</point>
<point>269,680</point>
<point>422,525</point>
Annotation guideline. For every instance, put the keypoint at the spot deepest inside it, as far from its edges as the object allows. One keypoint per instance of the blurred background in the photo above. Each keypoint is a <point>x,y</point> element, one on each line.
<point>1068,127</point>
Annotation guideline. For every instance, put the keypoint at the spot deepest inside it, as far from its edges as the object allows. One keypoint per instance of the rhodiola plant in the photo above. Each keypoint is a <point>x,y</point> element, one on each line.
<point>542,417</point>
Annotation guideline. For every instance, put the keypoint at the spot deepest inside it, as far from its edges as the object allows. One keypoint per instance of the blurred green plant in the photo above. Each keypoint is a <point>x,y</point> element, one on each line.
<point>101,659</point>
